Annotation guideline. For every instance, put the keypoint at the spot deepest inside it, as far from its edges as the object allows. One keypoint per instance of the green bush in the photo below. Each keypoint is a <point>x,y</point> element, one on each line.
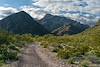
<point>84,63</point>
<point>64,54</point>
<point>13,47</point>
<point>10,45</point>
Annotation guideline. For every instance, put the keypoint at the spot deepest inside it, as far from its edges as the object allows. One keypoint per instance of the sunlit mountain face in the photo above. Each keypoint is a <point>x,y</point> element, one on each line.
<point>84,11</point>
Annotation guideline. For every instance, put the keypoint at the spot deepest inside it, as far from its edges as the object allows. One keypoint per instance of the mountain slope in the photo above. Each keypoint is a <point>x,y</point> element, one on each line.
<point>61,30</point>
<point>73,47</point>
<point>93,31</point>
<point>20,23</point>
<point>52,23</point>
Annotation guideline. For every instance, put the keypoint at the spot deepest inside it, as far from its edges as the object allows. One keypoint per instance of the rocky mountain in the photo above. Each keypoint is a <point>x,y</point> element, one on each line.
<point>62,25</point>
<point>20,23</point>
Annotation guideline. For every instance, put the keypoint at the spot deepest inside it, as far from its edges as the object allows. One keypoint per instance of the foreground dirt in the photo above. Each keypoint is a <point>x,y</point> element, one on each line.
<point>29,58</point>
<point>50,58</point>
<point>36,56</point>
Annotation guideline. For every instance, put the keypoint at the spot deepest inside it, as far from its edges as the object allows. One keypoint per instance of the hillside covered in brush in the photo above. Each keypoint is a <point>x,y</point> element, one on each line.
<point>81,49</point>
<point>11,46</point>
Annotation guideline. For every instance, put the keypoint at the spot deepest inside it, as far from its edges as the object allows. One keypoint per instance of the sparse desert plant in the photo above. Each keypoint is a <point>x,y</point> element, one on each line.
<point>71,61</point>
<point>44,44</point>
<point>84,63</point>
<point>63,54</point>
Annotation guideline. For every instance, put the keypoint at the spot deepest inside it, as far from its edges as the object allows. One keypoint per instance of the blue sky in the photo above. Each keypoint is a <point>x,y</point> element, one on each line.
<point>85,11</point>
<point>15,3</point>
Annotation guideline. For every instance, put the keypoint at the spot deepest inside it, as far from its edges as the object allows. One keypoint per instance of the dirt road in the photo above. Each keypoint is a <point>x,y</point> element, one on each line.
<point>29,58</point>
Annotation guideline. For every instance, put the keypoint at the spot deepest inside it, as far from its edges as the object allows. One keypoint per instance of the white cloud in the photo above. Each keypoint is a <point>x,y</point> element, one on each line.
<point>75,9</point>
<point>85,11</point>
<point>35,13</point>
<point>5,11</point>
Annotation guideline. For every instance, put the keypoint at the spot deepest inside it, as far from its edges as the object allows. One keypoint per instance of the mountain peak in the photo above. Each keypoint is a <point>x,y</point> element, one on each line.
<point>21,23</point>
<point>47,15</point>
<point>22,12</point>
<point>54,22</point>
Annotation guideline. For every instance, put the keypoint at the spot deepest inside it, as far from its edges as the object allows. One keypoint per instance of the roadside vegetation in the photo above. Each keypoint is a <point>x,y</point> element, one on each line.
<point>82,49</point>
<point>11,45</point>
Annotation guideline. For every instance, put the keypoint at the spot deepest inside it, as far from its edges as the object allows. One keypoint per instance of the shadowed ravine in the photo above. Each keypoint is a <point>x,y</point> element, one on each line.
<point>29,58</point>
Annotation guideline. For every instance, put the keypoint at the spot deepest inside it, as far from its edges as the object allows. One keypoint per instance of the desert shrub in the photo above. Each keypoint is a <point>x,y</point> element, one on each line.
<point>71,61</point>
<point>63,54</point>
<point>7,53</point>
<point>97,52</point>
<point>56,47</point>
<point>10,56</point>
<point>44,44</point>
<point>3,39</point>
<point>10,45</point>
<point>85,63</point>
<point>1,62</point>
<point>13,47</point>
